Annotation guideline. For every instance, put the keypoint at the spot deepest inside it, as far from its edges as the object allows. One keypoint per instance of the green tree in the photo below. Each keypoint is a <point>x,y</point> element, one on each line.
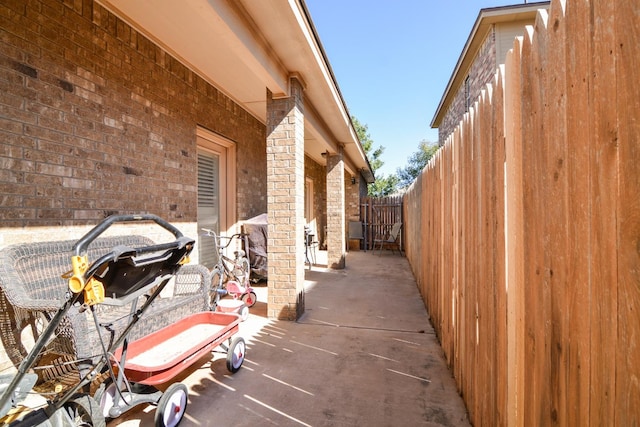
<point>383,185</point>
<point>367,145</point>
<point>416,162</point>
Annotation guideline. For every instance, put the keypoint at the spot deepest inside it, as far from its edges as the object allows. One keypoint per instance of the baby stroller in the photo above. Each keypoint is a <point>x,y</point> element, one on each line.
<point>119,278</point>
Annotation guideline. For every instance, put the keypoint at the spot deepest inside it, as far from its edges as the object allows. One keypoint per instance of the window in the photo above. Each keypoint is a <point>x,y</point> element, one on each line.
<point>216,191</point>
<point>467,94</point>
<point>208,204</point>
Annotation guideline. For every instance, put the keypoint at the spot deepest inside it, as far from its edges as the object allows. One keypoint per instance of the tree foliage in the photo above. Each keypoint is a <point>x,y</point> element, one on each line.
<point>383,185</point>
<point>416,162</point>
<point>374,156</point>
<point>386,185</point>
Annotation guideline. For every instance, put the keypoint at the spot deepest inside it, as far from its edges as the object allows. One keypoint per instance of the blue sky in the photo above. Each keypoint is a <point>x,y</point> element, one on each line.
<point>392,60</point>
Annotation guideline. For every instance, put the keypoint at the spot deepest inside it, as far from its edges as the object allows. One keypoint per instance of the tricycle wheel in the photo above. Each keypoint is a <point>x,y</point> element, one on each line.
<point>235,355</point>
<point>84,411</point>
<point>171,406</point>
<point>246,272</point>
<point>216,286</point>
<point>249,298</point>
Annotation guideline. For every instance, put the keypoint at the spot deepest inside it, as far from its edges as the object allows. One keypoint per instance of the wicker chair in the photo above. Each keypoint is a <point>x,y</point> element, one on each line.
<point>32,289</point>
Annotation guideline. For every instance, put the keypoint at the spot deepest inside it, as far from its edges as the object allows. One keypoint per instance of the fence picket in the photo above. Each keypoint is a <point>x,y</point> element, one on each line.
<point>578,136</point>
<point>627,140</point>
<point>497,219</point>
<point>514,237</point>
<point>557,210</point>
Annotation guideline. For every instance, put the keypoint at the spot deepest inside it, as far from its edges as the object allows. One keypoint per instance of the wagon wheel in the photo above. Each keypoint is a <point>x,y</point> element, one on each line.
<point>84,411</point>
<point>235,355</point>
<point>171,406</point>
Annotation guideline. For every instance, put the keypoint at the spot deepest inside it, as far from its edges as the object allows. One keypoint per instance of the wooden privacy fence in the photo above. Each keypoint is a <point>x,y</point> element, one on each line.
<point>529,217</point>
<point>377,215</point>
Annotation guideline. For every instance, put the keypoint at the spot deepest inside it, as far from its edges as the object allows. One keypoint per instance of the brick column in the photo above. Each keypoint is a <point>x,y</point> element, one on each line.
<point>285,204</point>
<point>336,243</point>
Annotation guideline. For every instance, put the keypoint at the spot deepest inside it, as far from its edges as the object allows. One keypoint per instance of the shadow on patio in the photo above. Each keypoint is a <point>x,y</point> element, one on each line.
<point>363,353</point>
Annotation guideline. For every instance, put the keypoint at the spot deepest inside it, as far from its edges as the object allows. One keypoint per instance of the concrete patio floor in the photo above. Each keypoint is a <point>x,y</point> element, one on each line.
<point>363,354</point>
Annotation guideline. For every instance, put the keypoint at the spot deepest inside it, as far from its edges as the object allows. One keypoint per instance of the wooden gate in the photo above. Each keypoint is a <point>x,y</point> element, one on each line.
<point>378,214</point>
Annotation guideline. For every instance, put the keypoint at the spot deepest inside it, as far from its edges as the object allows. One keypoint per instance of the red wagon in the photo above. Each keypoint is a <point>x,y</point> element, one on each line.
<point>159,357</point>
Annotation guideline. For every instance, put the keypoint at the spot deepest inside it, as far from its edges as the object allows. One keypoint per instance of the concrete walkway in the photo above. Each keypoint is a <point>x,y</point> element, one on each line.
<point>363,354</point>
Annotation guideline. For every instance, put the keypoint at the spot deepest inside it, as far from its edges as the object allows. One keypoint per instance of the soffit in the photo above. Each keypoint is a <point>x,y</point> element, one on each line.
<point>244,47</point>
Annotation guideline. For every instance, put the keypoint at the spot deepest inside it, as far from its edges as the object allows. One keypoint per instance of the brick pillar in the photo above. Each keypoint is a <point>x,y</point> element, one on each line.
<point>336,243</point>
<point>285,204</point>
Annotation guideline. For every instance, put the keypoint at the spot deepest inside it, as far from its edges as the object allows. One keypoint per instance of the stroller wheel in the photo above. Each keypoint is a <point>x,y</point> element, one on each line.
<point>235,355</point>
<point>84,411</point>
<point>171,406</point>
<point>249,298</point>
<point>105,397</point>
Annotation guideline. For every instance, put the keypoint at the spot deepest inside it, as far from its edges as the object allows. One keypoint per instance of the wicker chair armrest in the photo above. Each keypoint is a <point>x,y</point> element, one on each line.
<point>39,304</point>
<point>18,296</point>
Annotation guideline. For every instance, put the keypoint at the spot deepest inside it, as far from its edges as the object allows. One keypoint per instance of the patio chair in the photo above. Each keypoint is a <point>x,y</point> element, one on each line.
<point>356,233</point>
<point>391,239</point>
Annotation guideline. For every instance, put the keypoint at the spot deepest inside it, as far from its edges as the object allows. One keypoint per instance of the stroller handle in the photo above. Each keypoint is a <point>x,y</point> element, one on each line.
<point>81,245</point>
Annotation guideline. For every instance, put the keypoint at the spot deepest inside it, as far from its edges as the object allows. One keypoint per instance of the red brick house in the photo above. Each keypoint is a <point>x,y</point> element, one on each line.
<point>205,113</point>
<point>485,49</point>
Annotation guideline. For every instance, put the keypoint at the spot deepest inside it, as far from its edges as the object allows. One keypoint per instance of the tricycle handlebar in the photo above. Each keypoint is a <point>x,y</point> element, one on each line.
<point>218,238</point>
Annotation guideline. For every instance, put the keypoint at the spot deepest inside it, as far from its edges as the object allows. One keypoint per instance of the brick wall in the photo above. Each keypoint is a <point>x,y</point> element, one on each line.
<point>336,211</point>
<point>96,119</point>
<point>481,72</point>
<point>352,197</point>
<point>353,193</point>
<point>285,190</point>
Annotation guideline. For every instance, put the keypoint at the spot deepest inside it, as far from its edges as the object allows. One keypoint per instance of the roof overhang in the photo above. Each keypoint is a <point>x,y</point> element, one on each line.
<point>243,48</point>
<point>486,19</point>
